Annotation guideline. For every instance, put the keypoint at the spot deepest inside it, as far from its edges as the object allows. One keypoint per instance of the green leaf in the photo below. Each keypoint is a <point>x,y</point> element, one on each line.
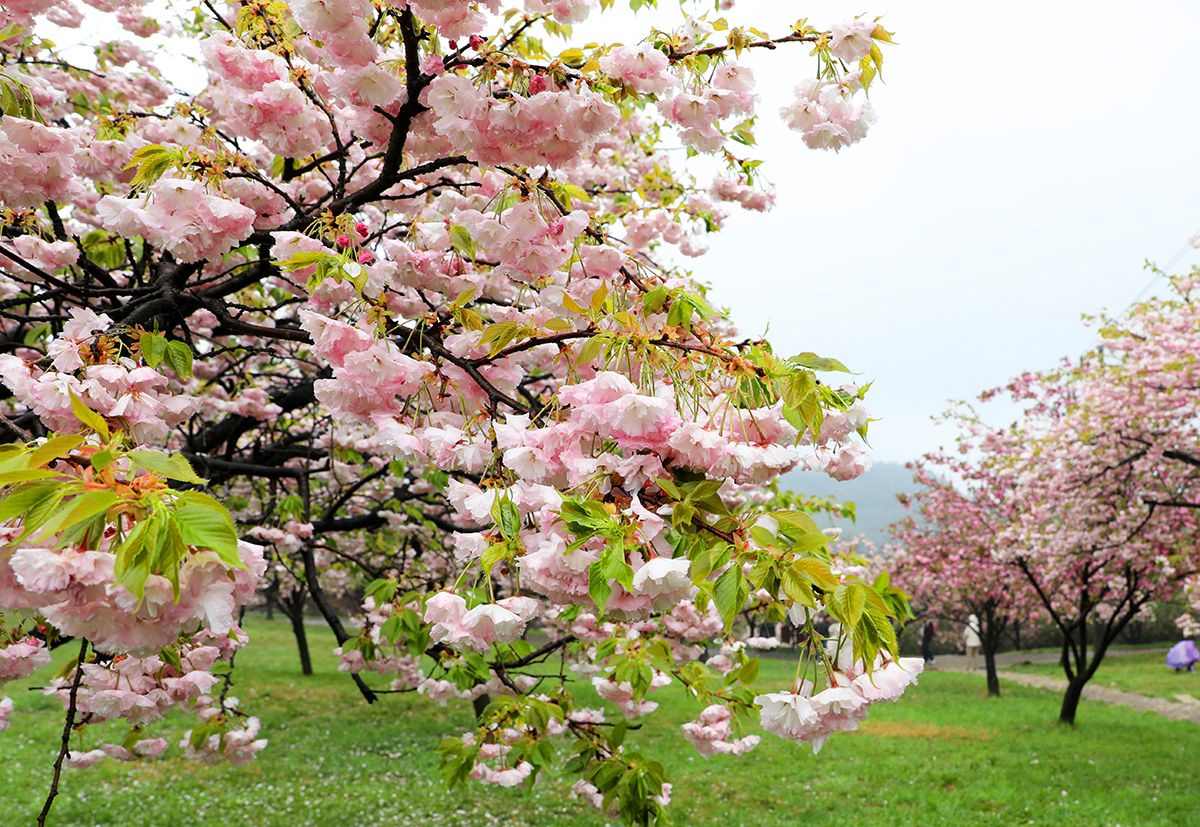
<point>170,553</point>
<point>88,417</point>
<point>304,260</point>
<point>653,301</point>
<point>815,362</point>
<point>152,162</point>
<point>815,571</point>
<point>382,589</point>
<point>24,499</point>
<point>54,447</point>
<point>102,459</point>
<point>204,523</point>
<point>179,357</point>
<point>599,588</point>
<point>132,566</point>
<point>730,593</point>
<point>27,475</point>
<point>492,555</point>
<point>171,466</point>
<point>460,240</point>
<point>500,335</point>
<point>153,347</point>
<point>79,510</point>
<point>749,672</point>
<point>850,601</point>
<point>507,517</point>
<point>796,387</point>
<point>590,349</point>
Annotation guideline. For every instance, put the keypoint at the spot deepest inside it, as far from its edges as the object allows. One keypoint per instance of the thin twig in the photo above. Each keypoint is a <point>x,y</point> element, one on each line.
<point>65,747</point>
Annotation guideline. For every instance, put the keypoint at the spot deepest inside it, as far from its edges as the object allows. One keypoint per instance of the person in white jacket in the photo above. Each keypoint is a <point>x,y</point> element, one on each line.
<point>972,642</point>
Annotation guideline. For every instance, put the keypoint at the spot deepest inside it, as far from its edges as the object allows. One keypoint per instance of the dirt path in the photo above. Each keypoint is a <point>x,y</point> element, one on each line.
<point>1182,710</point>
<point>958,663</point>
<point>1178,710</point>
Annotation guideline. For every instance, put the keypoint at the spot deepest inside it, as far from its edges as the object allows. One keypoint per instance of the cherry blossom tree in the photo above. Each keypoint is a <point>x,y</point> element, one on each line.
<point>1148,358</point>
<point>393,304</point>
<point>1083,526</point>
<point>945,557</point>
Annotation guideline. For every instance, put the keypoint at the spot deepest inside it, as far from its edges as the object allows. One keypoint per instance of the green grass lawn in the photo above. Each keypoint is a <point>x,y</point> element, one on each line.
<point>1145,674</point>
<point>944,754</point>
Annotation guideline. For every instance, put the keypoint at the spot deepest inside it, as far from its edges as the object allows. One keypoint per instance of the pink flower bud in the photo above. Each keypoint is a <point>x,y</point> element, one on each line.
<point>343,240</point>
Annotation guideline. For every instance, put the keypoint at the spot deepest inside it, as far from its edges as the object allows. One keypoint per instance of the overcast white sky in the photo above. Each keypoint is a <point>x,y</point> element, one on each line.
<point>1029,157</point>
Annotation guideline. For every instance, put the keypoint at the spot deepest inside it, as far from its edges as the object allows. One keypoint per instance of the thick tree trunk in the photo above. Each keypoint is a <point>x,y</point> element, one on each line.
<point>302,643</point>
<point>271,597</point>
<point>991,632</point>
<point>993,679</point>
<point>1070,704</point>
<point>293,606</point>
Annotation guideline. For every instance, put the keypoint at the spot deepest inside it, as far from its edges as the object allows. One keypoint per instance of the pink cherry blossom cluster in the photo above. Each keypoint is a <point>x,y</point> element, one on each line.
<point>183,217</point>
<point>36,162</point>
<point>623,696</point>
<point>478,628</point>
<point>22,658</point>
<point>750,198</point>
<point>370,375</point>
<point>48,255</point>
<point>520,238</point>
<point>698,116</point>
<point>77,592</point>
<point>137,395</point>
<point>454,18</point>
<point>830,114</point>
<point>711,733</point>
<point>254,94</point>
<point>236,740</point>
<point>143,748</point>
<point>642,68</point>
<point>588,792</point>
<point>501,775</point>
<point>811,718</point>
<point>551,127</point>
<point>564,11</point>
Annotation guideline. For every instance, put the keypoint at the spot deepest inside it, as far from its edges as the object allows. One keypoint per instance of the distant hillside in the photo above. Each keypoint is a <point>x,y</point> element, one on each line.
<point>874,493</point>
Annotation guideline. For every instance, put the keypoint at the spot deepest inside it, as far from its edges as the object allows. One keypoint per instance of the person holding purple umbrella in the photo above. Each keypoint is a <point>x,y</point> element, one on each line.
<point>1183,655</point>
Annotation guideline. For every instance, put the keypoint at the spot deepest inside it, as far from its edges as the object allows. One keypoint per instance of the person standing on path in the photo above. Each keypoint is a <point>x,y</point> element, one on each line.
<point>928,633</point>
<point>972,643</point>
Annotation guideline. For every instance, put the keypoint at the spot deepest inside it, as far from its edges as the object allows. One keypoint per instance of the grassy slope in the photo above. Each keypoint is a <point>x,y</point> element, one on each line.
<point>1145,674</point>
<point>943,755</point>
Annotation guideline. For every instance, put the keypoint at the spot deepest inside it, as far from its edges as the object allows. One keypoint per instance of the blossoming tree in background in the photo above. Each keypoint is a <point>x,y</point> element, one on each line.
<point>1150,356</point>
<point>946,559</point>
<point>1087,526</point>
<point>392,304</point>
